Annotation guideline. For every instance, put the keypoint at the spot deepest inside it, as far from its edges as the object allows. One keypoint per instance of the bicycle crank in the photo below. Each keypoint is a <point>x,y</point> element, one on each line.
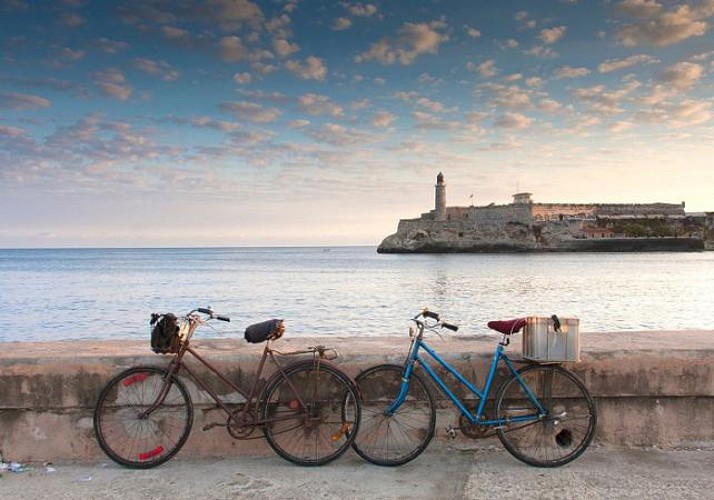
<point>474,431</point>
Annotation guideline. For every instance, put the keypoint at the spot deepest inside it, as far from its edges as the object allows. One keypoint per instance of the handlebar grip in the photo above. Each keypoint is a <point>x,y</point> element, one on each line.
<point>222,318</point>
<point>449,326</point>
<point>430,314</point>
<point>203,310</point>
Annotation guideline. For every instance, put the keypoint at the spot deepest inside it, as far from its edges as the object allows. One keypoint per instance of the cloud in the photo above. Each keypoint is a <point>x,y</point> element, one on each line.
<point>20,102</point>
<point>655,26</point>
<point>279,26</point>
<point>428,121</point>
<point>542,51</point>
<point>338,135</point>
<point>522,17</point>
<point>174,33</point>
<point>72,55</point>
<point>620,126</point>
<point>298,123</point>
<point>472,32</point>
<point>242,78</point>
<point>383,119</point>
<point>513,121</point>
<point>681,76</point>
<point>206,122</point>
<point>284,48</point>
<point>412,41</point>
<point>109,46</point>
<point>628,62</point>
<point>569,72</point>
<point>229,15</point>
<point>639,9</point>
<point>474,120</point>
<point>362,10</point>
<point>415,98</point>
<point>312,69</point>
<point>232,49</point>
<point>360,104</point>
<point>341,24</point>
<point>552,35</point>
<point>11,131</point>
<point>488,68</point>
<point>275,97</point>
<point>264,69</point>
<point>690,112</point>
<point>316,105</point>
<point>157,68</point>
<point>549,105</point>
<point>534,81</point>
<point>112,83</point>
<point>251,111</point>
<point>433,106</point>
<point>71,20</point>
<point>606,102</point>
<point>508,96</point>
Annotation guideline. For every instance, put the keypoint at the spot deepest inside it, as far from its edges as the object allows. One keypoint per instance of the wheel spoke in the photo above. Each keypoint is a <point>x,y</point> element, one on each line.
<point>324,428</point>
<point>568,426</point>
<point>129,435</point>
<point>398,438</point>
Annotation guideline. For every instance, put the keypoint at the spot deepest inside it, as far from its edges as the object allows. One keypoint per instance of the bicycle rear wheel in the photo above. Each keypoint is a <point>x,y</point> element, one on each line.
<point>398,438</point>
<point>142,417</point>
<point>568,426</point>
<point>312,413</point>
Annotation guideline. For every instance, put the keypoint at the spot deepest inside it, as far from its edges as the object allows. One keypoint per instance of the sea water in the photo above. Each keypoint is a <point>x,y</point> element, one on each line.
<point>72,294</point>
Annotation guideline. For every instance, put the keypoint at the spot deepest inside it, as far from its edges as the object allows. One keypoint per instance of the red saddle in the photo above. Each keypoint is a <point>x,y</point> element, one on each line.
<point>508,326</point>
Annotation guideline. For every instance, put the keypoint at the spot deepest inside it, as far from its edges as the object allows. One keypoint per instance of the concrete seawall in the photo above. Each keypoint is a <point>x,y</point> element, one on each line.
<point>651,388</point>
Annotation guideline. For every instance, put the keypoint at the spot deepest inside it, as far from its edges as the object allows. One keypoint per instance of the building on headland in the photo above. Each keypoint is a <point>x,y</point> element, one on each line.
<point>526,226</point>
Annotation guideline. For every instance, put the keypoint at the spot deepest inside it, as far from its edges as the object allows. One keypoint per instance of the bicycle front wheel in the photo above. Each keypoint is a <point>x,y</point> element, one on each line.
<point>563,433</point>
<point>312,413</point>
<point>143,417</point>
<point>400,437</point>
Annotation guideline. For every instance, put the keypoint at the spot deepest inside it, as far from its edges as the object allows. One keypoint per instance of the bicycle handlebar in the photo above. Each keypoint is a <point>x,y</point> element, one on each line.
<point>430,314</point>
<point>209,311</point>
<point>435,316</point>
<point>449,326</point>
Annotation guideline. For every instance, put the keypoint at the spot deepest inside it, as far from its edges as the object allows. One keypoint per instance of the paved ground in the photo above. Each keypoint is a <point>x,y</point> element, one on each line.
<point>444,474</point>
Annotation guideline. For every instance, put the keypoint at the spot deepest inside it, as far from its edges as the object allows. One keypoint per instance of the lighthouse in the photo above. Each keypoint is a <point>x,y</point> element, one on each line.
<point>440,198</point>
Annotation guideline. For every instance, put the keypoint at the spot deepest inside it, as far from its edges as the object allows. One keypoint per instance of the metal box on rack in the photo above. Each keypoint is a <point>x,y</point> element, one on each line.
<point>541,342</point>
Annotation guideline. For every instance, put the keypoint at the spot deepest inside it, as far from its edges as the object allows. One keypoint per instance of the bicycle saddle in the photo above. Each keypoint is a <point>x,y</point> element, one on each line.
<point>508,326</point>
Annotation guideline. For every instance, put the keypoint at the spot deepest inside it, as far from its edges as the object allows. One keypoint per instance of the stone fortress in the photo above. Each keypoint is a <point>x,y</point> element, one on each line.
<point>525,226</point>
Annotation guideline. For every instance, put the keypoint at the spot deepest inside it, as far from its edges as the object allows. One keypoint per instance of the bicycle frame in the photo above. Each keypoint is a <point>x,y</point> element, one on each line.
<point>177,365</point>
<point>418,344</point>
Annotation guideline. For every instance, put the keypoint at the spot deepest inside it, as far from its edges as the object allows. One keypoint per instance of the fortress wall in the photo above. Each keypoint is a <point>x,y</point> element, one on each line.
<point>636,209</point>
<point>501,214</point>
<point>549,211</point>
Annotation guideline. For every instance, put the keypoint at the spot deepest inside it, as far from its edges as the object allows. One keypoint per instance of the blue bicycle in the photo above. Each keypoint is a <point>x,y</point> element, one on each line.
<point>542,413</point>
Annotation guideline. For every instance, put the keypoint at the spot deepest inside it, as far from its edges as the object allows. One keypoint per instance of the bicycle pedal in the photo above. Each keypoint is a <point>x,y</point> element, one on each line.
<point>208,427</point>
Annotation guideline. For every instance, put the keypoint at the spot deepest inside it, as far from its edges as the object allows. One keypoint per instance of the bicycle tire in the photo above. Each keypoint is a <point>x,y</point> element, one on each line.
<point>142,441</point>
<point>312,413</point>
<point>396,439</point>
<point>567,429</point>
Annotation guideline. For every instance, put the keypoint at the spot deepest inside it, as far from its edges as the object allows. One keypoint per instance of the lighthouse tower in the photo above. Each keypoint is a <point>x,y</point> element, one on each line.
<point>440,201</point>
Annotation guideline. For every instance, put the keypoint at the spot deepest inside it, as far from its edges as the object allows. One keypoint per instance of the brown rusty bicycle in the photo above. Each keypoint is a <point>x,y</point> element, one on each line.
<point>308,409</point>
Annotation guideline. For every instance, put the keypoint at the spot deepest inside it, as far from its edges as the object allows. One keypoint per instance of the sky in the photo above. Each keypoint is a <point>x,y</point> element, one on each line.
<point>146,123</point>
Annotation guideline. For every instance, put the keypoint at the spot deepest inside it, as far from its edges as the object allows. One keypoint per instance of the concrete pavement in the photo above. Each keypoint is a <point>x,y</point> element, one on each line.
<point>443,473</point>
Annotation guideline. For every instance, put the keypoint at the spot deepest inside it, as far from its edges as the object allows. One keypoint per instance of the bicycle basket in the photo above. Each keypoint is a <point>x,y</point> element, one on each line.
<point>165,333</point>
<point>266,330</point>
